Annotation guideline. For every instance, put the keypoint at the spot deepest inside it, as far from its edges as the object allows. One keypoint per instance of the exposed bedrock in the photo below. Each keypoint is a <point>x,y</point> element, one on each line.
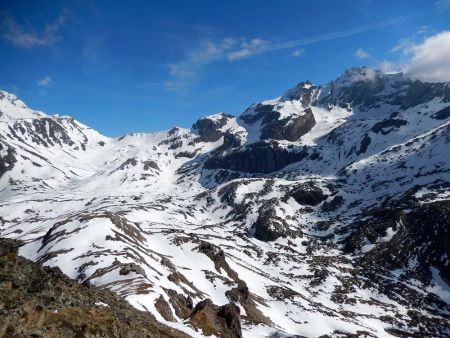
<point>210,129</point>
<point>276,128</point>
<point>260,157</point>
<point>308,193</point>
<point>269,226</point>
<point>221,321</point>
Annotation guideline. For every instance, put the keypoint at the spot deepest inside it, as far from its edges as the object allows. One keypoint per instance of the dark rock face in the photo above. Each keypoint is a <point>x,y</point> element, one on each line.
<point>7,161</point>
<point>308,194</point>
<point>259,157</point>
<point>230,141</point>
<point>40,301</point>
<point>386,126</point>
<point>303,92</point>
<point>130,162</point>
<point>290,129</point>
<point>365,143</point>
<point>422,235</point>
<point>335,203</point>
<point>274,128</point>
<point>164,309</point>
<point>151,165</point>
<point>49,131</point>
<point>269,227</point>
<point>218,257</point>
<point>259,111</point>
<point>209,129</point>
<point>364,87</point>
<point>182,305</point>
<point>360,91</point>
<point>223,321</point>
<point>442,114</point>
<point>231,313</point>
<point>371,230</point>
<point>420,92</point>
<point>131,267</point>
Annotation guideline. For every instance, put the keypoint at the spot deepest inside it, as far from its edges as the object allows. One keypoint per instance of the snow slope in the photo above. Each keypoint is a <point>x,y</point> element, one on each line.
<point>282,210</point>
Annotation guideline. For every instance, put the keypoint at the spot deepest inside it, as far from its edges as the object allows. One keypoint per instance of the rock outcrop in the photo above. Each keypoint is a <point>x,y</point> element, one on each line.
<point>269,226</point>
<point>308,194</point>
<point>221,321</point>
<point>259,157</point>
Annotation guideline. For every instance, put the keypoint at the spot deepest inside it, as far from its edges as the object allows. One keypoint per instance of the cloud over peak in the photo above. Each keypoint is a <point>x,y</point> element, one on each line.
<point>429,60</point>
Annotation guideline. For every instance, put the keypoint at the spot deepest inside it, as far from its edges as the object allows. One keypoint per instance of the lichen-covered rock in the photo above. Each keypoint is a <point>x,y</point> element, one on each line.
<point>223,321</point>
<point>164,309</point>
<point>131,267</point>
<point>38,301</point>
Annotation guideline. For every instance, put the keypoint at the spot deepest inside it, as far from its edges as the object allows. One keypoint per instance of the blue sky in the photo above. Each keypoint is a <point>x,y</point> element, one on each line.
<point>132,66</point>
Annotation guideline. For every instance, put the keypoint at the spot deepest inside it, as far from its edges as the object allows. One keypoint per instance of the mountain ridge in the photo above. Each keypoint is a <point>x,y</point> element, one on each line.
<point>291,210</point>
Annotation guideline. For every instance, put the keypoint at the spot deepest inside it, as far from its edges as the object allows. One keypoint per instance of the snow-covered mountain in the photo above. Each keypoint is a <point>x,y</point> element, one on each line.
<point>325,211</point>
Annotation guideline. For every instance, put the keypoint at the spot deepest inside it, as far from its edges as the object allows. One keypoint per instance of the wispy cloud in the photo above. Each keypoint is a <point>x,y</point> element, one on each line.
<point>247,49</point>
<point>19,37</point>
<point>185,72</point>
<point>361,54</point>
<point>405,45</point>
<point>297,53</point>
<point>44,84</point>
<point>337,34</point>
<point>443,3</point>
<point>45,81</point>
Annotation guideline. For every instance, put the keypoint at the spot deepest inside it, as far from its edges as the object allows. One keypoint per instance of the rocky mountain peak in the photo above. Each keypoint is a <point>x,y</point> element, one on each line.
<point>212,127</point>
<point>304,92</point>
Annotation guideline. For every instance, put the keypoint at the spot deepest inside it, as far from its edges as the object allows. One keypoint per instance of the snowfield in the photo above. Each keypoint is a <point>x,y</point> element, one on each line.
<point>311,225</point>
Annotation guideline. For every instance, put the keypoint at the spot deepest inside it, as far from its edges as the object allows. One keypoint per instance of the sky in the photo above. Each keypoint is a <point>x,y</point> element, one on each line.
<point>143,66</point>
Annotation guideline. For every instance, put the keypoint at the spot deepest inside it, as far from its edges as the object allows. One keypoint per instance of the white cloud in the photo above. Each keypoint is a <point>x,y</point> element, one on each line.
<point>247,49</point>
<point>387,67</point>
<point>45,81</point>
<point>297,53</point>
<point>184,73</point>
<point>361,54</point>
<point>429,60</point>
<point>21,38</point>
<point>403,46</point>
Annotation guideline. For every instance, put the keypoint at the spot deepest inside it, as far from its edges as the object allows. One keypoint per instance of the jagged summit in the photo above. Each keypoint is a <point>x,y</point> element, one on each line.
<point>321,212</point>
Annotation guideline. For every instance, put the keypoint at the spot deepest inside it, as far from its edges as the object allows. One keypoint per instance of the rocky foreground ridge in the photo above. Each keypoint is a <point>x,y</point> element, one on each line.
<point>38,301</point>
